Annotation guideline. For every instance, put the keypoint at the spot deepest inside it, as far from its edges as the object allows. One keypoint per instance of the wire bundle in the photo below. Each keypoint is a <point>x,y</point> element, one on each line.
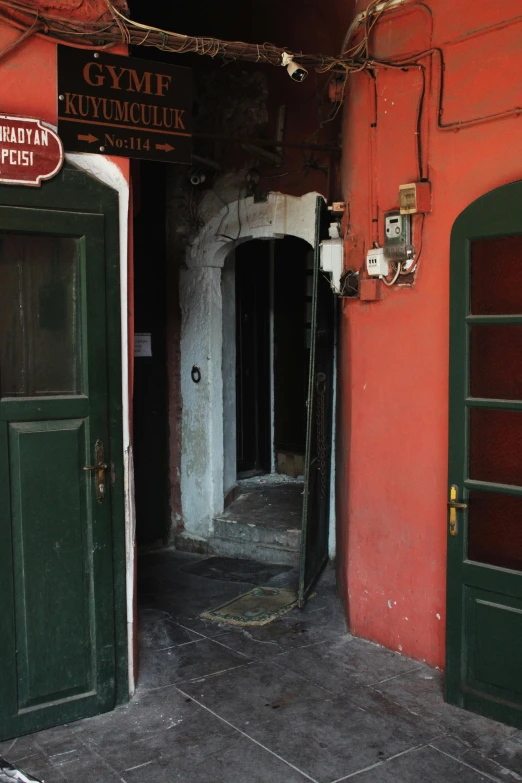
<point>106,32</point>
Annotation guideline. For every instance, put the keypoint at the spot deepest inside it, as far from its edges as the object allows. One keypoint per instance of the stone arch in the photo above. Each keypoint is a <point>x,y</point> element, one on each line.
<point>226,225</point>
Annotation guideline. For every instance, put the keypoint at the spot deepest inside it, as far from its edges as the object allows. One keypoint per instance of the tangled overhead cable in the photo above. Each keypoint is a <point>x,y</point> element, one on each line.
<point>106,32</point>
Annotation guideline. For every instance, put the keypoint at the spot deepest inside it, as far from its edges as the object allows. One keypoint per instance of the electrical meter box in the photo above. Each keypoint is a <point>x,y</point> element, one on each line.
<point>397,233</point>
<point>397,228</point>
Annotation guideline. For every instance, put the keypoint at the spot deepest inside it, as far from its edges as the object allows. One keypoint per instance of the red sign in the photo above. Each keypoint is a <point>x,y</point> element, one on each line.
<point>29,151</point>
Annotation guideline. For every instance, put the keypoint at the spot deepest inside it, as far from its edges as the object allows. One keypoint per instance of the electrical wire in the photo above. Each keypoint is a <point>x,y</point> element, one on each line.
<point>101,33</point>
<point>413,269</point>
<point>395,278</point>
<point>35,27</point>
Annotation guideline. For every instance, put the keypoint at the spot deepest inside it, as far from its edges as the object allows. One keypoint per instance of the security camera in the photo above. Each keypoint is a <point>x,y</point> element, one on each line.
<point>295,71</point>
<point>197,177</point>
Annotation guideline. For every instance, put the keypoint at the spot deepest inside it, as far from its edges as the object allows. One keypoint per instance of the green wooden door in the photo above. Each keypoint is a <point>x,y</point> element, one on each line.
<point>316,494</point>
<point>57,629</point>
<point>484,609</point>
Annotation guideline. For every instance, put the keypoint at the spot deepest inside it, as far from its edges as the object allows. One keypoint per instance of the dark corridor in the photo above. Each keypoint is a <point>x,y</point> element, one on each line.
<point>150,405</point>
<point>273,311</point>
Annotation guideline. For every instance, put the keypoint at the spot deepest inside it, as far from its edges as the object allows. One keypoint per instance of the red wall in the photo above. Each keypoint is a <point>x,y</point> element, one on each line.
<point>392,459</point>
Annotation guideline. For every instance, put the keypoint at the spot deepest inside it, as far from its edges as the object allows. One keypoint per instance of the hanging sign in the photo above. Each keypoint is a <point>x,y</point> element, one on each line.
<point>116,105</point>
<point>29,151</point>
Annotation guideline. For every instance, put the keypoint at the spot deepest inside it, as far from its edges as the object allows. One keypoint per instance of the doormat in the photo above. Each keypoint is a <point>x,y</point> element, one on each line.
<point>259,606</point>
<point>230,569</point>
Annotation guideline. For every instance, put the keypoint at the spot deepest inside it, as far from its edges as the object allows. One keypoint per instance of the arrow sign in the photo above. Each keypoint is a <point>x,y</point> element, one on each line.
<point>164,147</point>
<point>90,138</point>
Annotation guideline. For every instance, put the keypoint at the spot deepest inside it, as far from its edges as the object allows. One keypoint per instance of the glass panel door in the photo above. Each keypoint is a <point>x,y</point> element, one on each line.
<point>484,595</point>
<point>39,319</point>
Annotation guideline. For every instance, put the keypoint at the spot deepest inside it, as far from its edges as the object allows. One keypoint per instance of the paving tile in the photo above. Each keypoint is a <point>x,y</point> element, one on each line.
<point>322,736</point>
<point>185,599</point>
<point>158,630</point>
<point>21,748</point>
<point>248,642</point>
<point>422,692</point>
<point>498,756</point>
<point>170,561</point>
<point>45,771</point>
<point>162,725</point>
<point>159,668</point>
<point>252,694</point>
<point>345,659</point>
<point>34,749</point>
<point>148,713</point>
<point>338,737</point>
<point>93,770</point>
<point>426,765</point>
<point>185,594</point>
<point>33,764</point>
<point>238,760</point>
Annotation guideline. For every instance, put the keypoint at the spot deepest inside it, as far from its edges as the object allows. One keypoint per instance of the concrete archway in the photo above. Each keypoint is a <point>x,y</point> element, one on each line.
<point>226,225</point>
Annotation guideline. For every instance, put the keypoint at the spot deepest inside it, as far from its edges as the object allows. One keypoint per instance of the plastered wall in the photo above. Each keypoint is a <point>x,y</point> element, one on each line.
<point>393,400</point>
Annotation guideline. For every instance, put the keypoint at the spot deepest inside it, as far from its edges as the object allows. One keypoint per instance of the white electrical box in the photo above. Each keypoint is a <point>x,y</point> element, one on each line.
<point>376,263</point>
<point>331,261</point>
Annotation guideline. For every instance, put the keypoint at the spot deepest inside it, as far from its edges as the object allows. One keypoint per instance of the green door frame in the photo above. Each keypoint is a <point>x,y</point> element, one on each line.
<point>74,190</point>
<point>496,214</point>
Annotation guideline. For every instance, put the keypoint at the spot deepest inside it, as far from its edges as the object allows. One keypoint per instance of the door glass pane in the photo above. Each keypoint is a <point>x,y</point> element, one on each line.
<point>495,446</point>
<point>496,361</point>
<point>39,315</point>
<point>495,529</point>
<point>496,276</point>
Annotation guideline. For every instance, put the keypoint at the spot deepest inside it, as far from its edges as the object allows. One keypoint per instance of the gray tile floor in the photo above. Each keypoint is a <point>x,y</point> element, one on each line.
<point>297,700</point>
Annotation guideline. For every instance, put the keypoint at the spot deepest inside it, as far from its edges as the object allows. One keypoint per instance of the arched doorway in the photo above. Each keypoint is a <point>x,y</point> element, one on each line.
<point>205,428</point>
<point>484,610</point>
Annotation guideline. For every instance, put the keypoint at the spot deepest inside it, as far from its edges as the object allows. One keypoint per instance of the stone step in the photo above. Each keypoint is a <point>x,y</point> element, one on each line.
<point>267,543</point>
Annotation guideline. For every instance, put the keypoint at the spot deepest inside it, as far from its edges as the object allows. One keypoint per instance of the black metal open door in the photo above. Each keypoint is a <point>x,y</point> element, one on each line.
<point>316,500</point>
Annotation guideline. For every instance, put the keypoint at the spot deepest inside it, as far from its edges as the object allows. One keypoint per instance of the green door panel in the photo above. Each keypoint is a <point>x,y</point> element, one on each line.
<point>63,652</point>
<point>494,632</point>
<point>51,543</point>
<point>484,566</point>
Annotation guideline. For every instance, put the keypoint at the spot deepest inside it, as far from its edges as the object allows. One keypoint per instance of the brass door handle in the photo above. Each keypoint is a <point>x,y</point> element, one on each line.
<point>453,505</point>
<point>99,470</point>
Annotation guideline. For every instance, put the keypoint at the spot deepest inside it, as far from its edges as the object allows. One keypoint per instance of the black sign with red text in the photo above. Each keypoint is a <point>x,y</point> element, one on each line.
<point>115,105</point>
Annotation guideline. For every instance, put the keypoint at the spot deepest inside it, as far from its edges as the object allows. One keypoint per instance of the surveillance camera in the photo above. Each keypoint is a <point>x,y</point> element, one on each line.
<point>197,178</point>
<point>296,72</point>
